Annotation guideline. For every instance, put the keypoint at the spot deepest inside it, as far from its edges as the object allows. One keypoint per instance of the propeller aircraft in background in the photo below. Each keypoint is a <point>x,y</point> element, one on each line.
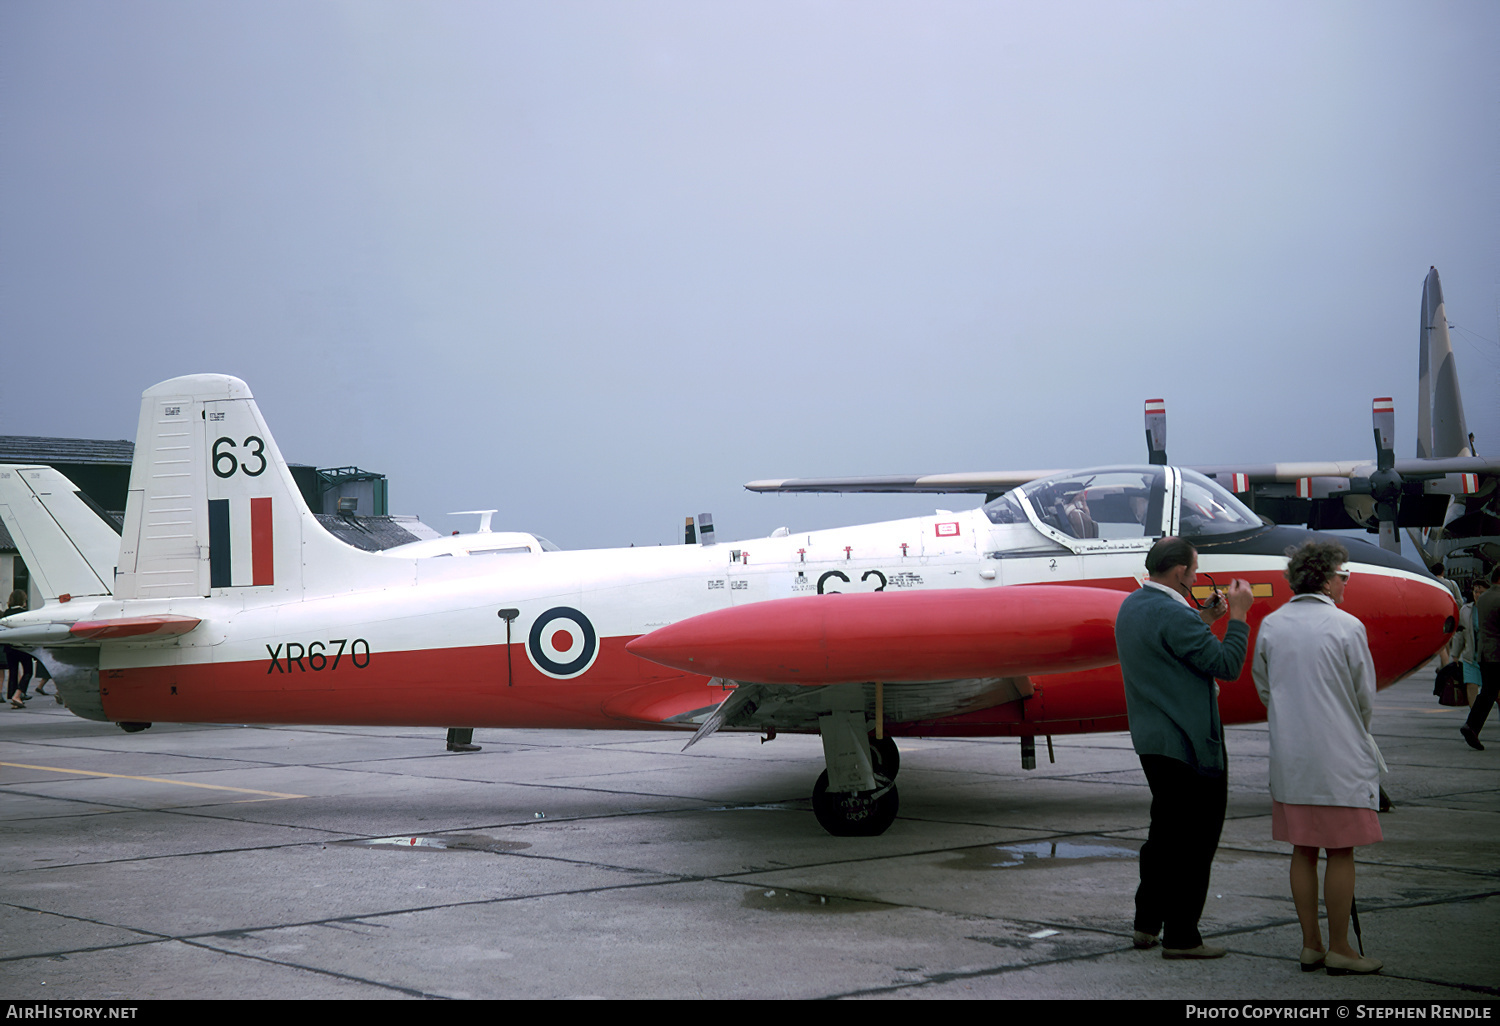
<point>1447,498</point>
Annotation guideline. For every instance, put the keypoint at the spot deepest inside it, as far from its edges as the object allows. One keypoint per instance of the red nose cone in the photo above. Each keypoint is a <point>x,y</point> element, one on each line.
<point>896,636</point>
<point>1407,619</point>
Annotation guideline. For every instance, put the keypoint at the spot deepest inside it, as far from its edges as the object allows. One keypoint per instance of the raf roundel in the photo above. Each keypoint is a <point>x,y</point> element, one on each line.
<point>562,643</point>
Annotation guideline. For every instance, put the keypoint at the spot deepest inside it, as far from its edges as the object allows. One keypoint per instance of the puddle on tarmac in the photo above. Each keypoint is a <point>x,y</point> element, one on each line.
<point>777,899</point>
<point>449,842</point>
<point>1037,853</point>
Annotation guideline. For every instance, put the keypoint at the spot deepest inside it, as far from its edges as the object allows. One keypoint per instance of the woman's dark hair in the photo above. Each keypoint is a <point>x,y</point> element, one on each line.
<point>17,598</point>
<point>1167,553</point>
<point>1310,564</point>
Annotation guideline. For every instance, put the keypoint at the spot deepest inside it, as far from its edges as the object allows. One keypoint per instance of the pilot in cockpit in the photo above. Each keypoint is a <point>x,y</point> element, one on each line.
<point>1080,523</point>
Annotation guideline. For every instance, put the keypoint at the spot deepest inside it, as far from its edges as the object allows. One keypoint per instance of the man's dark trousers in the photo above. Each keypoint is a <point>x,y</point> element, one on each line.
<point>1489,688</point>
<point>1187,815</point>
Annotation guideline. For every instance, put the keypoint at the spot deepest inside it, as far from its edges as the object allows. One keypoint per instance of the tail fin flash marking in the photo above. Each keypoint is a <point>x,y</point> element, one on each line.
<point>234,565</point>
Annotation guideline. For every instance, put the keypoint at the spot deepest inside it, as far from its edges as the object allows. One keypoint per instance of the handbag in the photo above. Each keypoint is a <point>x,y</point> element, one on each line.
<point>1449,687</point>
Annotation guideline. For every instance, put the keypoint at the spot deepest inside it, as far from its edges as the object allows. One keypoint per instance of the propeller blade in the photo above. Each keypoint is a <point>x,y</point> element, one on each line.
<point>1385,483</point>
<point>1384,416</point>
<point>1156,430</point>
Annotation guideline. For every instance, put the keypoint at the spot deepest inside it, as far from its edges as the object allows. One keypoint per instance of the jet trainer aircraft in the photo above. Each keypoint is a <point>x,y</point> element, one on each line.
<point>227,601</point>
<point>224,600</point>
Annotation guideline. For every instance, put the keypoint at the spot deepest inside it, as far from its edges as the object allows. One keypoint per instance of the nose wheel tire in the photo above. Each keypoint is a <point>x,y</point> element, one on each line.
<point>885,757</point>
<point>857,814</point>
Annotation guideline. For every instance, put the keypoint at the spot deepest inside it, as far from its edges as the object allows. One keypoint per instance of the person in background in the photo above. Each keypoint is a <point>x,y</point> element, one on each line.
<point>1313,671</point>
<point>1487,647</point>
<point>1466,641</point>
<point>43,678</point>
<point>1441,573</point>
<point>17,663</point>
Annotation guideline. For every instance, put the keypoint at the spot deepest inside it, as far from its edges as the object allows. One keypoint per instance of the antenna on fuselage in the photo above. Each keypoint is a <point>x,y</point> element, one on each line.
<point>1156,430</point>
<point>484,516</point>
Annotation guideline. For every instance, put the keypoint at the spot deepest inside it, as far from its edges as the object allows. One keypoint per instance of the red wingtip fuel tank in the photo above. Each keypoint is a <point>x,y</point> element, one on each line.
<point>896,636</point>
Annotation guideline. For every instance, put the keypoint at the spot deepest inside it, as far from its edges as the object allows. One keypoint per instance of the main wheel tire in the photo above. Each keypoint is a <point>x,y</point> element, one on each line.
<point>885,758</point>
<point>857,814</point>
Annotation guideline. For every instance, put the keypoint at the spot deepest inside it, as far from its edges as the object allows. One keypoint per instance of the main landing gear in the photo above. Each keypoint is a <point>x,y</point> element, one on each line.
<point>856,796</point>
<point>858,813</point>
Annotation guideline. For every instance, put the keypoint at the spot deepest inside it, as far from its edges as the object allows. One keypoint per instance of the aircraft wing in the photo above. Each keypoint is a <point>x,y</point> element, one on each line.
<point>1290,473</point>
<point>981,483</point>
<point>990,482</point>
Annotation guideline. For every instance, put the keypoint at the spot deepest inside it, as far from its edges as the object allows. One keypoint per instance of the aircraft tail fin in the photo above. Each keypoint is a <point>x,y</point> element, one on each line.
<point>67,543</point>
<point>213,506</point>
<point>1441,430</point>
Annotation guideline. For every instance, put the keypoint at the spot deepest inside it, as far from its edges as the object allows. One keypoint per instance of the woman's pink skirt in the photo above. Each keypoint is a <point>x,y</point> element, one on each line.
<point>1324,826</point>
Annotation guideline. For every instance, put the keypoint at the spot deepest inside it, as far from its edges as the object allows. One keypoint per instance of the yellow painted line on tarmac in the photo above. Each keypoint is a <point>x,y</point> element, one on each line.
<point>152,780</point>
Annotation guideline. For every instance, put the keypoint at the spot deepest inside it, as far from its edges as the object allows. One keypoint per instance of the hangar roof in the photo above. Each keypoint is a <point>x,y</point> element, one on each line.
<point>29,449</point>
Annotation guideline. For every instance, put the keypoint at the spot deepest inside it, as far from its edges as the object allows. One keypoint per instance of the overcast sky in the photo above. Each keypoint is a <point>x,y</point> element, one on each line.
<point>599,263</point>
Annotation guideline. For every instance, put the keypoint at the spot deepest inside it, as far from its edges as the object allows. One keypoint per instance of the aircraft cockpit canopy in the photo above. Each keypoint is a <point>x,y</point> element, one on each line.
<point>1116,502</point>
<point>1207,507</point>
<point>1121,503</point>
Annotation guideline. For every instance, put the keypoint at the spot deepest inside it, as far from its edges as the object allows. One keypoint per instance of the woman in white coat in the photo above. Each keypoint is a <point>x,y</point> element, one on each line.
<point>1314,673</point>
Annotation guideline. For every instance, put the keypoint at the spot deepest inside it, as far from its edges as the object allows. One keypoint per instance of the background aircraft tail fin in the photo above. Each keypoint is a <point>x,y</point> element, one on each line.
<point>213,506</point>
<point>1441,430</point>
<point>67,543</point>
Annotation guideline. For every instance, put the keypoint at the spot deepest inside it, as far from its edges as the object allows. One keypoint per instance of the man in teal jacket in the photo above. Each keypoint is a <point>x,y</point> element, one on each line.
<point>1170,659</point>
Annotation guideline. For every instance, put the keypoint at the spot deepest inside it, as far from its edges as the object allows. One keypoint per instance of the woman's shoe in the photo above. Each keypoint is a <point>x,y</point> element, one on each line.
<point>1343,965</point>
<point>1312,960</point>
<point>15,700</point>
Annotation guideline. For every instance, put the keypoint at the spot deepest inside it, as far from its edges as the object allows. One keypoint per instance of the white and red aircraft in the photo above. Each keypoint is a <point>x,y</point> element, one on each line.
<point>225,600</point>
